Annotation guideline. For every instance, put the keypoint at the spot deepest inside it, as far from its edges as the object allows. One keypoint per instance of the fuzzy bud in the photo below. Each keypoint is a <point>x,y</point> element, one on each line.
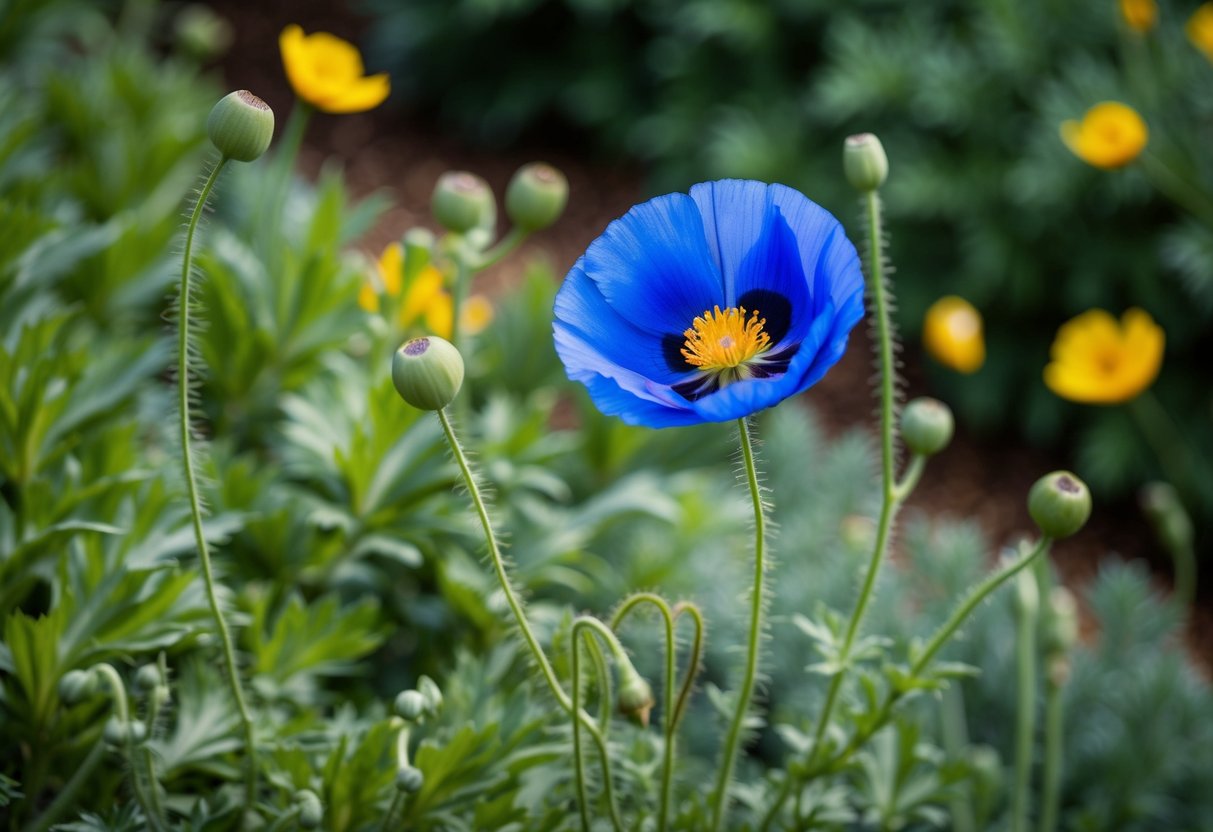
<point>311,810</point>
<point>241,125</point>
<point>76,686</point>
<point>536,196</point>
<point>432,693</point>
<point>460,201</point>
<point>1060,504</point>
<point>864,162</point>
<point>118,732</point>
<point>409,779</point>
<point>926,426</point>
<point>427,372</point>
<point>410,705</point>
<point>635,696</point>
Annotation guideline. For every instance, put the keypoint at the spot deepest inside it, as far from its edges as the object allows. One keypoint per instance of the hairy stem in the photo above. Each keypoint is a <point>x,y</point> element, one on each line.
<point>122,708</point>
<point>191,484</point>
<point>720,800</point>
<point>589,626</point>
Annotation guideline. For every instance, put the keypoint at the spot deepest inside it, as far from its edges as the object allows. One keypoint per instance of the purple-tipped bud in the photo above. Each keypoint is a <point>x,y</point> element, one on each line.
<point>1060,504</point>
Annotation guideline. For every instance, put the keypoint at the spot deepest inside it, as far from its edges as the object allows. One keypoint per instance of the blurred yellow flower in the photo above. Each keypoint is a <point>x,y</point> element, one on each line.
<point>1110,135</point>
<point>1140,15</point>
<point>425,302</point>
<point>326,72</point>
<point>952,334</point>
<point>1200,29</point>
<point>1097,360</point>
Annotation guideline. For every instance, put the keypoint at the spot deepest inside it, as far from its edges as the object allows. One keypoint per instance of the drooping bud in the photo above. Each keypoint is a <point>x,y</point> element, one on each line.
<point>147,678</point>
<point>635,696</point>
<point>864,162</point>
<point>241,125</point>
<point>536,196</point>
<point>76,686</point>
<point>1167,515</point>
<point>427,372</point>
<point>409,779</point>
<point>460,201</point>
<point>432,693</point>
<point>118,732</point>
<point>311,810</point>
<point>926,426</point>
<point>1060,504</point>
<point>410,705</point>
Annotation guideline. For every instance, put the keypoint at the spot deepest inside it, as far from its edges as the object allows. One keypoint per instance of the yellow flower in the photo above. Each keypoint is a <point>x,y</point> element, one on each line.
<point>390,269</point>
<point>1110,135</point>
<point>326,72</point>
<point>1200,29</point>
<point>425,302</point>
<point>952,333</point>
<point>1140,15</point>
<point>1096,360</point>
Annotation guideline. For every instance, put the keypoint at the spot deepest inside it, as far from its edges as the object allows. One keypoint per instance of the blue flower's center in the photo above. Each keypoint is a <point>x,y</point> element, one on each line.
<point>725,342</point>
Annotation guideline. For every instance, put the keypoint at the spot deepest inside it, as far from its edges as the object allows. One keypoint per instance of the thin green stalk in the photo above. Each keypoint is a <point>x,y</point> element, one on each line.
<point>67,795</point>
<point>601,672</point>
<point>122,706</point>
<point>955,739</point>
<point>524,626</point>
<point>392,809</point>
<point>191,482</point>
<point>1025,704</point>
<point>1054,739</point>
<point>402,762</point>
<point>693,662</point>
<point>757,602</point>
<point>593,626</point>
<point>583,794</point>
<point>512,239</point>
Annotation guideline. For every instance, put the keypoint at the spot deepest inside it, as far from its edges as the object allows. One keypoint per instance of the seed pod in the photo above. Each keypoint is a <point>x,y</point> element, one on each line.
<point>432,693</point>
<point>76,686</point>
<point>410,705</point>
<point>427,372</point>
<point>241,125</point>
<point>864,162</point>
<point>460,201</point>
<point>1060,504</point>
<point>536,196</point>
<point>926,426</point>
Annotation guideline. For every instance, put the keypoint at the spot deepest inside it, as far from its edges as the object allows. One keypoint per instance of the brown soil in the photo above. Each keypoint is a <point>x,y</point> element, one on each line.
<point>382,151</point>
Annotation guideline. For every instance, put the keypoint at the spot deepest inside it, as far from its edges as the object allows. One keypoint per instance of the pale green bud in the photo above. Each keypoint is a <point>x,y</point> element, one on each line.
<point>118,732</point>
<point>864,162</point>
<point>241,125</point>
<point>76,686</point>
<point>410,705</point>
<point>1167,515</point>
<point>427,372</point>
<point>635,696</point>
<point>311,810</point>
<point>460,201</point>
<point>1060,504</point>
<point>536,196</point>
<point>1061,625</point>
<point>409,779</point>
<point>147,678</point>
<point>926,426</point>
<point>432,693</point>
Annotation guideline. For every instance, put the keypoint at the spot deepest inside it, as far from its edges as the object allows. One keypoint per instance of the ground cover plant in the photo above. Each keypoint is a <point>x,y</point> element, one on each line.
<point>345,545</point>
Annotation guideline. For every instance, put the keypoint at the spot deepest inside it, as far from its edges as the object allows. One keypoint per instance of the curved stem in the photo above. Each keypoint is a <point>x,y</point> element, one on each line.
<point>757,602</point>
<point>583,794</point>
<point>122,706</point>
<point>696,657</point>
<point>191,484</point>
<point>602,673</point>
<point>590,626</point>
<point>669,724</point>
<point>504,246</point>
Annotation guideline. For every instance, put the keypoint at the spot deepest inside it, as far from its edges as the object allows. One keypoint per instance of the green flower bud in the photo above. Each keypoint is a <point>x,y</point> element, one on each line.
<point>536,196</point>
<point>201,32</point>
<point>241,126</point>
<point>635,696</point>
<point>1061,625</point>
<point>432,693</point>
<point>1059,504</point>
<point>311,810</point>
<point>76,686</point>
<point>409,779</point>
<point>1027,594</point>
<point>410,705</point>
<point>147,678</point>
<point>460,201</point>
<point>1167,515</point>
<point>118,732</point>
<point>926,426</point>
<point>864,162</point>
<point>427,372</point>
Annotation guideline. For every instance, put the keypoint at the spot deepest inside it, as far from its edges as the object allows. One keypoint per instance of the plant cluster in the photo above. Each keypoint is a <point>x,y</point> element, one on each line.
<point>971,96</point>
<point>240,589</point>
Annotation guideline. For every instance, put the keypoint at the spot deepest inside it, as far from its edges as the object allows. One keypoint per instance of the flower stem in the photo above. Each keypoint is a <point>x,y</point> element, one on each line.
<point>1054,739</point>
<point>191,483</point>
<point>67,795</point>
<point>589,626</point>
<point>757,602</point>
<point>955,740</point>
<point>1025,710</point>
<point>122,707</point>
<point>524,626</point>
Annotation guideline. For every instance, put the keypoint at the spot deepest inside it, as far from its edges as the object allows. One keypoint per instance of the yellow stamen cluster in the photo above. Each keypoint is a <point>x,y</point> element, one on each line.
<point>725,340</point>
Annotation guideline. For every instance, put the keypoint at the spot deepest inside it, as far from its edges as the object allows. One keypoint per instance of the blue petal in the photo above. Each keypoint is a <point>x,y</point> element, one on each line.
<point>613,400</point>
<point>654,267</point>
<point>773,265</point>
<point>735,217</point>
<point>585,314</point>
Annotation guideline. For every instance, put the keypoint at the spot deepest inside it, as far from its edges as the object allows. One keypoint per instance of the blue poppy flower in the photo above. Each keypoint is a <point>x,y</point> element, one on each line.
<point>710,306</point>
